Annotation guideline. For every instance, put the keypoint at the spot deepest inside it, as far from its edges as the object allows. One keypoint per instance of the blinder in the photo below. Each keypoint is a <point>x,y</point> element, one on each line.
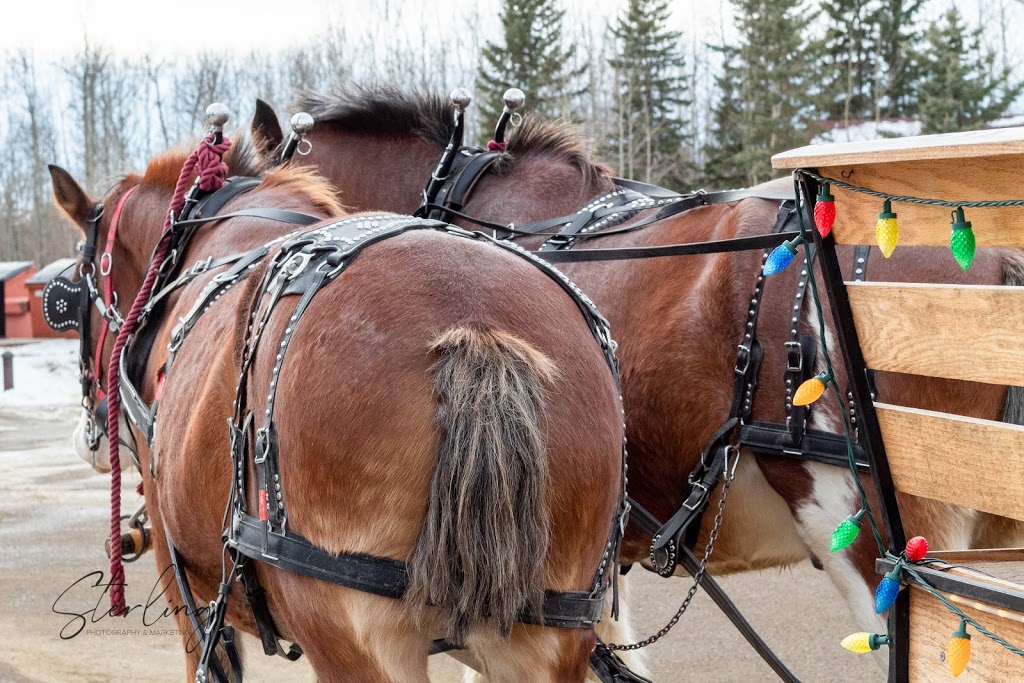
<point>64,302</point>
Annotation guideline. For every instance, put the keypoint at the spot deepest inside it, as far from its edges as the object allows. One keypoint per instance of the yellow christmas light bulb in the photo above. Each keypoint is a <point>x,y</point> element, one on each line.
<point>887,231</point>
<point>811,390</point>
<point>864,642</point>
<point>959,651</point>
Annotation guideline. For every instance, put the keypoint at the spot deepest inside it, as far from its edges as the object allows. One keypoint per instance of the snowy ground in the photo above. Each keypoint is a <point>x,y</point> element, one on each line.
<point>54,515</point>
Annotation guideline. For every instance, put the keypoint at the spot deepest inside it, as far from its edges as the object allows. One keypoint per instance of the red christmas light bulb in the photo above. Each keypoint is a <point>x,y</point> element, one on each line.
<point>824,210</point>
<point>917,548</point>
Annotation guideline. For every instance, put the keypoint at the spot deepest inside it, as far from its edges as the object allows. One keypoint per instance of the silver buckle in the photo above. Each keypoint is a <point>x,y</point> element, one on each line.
<point>799,354</point>
<point>746,360</point>
<point>704,495</point>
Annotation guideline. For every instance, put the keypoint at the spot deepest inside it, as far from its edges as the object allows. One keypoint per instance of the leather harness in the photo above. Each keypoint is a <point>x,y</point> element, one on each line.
<point>301,264</point>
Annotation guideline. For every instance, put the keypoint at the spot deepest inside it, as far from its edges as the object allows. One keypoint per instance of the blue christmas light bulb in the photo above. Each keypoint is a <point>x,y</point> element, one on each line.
<point>888,589</point>
<point>781,256</point>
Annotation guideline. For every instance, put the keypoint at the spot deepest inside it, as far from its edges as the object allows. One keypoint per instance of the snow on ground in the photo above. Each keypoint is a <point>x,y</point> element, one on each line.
<point>869,130</point>
<point>45,376</point>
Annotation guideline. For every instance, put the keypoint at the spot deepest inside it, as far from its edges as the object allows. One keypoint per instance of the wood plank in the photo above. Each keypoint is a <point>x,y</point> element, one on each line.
<point>978,143</point>
<point>931,626</point>
<point>991,178</point>
<point>967,332</point>
<point>1003,565</point>
<point>974,463</point>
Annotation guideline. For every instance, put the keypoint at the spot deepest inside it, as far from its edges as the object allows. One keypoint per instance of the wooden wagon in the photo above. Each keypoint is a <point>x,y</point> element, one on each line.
<point>972,333</point>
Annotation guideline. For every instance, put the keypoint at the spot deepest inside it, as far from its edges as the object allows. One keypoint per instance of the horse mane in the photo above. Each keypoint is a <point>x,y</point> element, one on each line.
<point>243,160</point>
<point>384,109</point>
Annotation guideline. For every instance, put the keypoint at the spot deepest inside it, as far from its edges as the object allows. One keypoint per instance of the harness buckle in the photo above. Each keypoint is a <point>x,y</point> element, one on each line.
<point>794,350</point>
<point>742,359</point>
<point>297,263</point>
<point>262,446</point>
<point>704,492</point>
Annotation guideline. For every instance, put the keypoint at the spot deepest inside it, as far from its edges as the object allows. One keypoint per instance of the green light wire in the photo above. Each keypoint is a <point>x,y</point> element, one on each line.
<point>907,199</point>
<point>851,458</point>
<point>907,568</point>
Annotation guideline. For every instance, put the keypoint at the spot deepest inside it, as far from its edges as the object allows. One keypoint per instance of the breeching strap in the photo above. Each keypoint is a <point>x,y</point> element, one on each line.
<point>207,161</point>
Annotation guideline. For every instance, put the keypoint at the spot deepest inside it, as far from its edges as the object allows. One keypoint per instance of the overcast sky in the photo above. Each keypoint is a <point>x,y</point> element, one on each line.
<point>55,28</point>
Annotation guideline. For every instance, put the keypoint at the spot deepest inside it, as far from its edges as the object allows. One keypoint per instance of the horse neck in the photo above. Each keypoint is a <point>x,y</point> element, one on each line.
<point>373,172</point>
<point>139,229</point>
<point>534,187</point>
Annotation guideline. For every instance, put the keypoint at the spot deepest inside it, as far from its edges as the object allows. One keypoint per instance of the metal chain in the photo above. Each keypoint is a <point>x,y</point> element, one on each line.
<point>708,549</point>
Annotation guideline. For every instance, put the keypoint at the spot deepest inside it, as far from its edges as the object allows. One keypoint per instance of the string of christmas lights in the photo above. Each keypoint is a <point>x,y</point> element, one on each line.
<point>958,652</point>
<point>962,242</point>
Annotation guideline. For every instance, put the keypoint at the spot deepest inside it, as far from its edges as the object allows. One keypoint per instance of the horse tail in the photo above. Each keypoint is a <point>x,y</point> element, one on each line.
<point>1013,274</point>
<point>482,550</point>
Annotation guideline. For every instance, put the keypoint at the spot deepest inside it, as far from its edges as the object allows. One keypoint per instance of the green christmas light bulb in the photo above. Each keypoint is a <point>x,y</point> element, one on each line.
<point>961,239</point>
<point>846,533</point>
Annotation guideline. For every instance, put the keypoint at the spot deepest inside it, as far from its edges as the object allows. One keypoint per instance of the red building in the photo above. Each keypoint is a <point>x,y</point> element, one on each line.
<point>16,321</point>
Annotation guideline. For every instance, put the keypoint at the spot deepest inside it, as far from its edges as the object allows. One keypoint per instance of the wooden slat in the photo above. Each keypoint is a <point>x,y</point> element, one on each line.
<point>1003,565</point>
<point>967,332</point>
<point>931,627</point>
<point>979,143</point>
<point>974,463</point>
<point>989,178</point>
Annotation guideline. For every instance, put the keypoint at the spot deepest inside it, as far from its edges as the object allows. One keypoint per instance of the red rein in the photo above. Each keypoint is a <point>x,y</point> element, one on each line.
<point>207,162</point>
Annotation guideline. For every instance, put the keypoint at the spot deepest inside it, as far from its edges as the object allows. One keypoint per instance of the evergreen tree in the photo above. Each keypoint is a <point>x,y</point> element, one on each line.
<point>532,56</point>
<point>849,59</point>
<point>899,36</point>
<point>649,138</point>
<point>767,92</point>
<point>959,88</point>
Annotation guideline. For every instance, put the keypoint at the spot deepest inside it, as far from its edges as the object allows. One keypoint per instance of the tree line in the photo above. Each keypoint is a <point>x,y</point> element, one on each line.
<point>659,105</point>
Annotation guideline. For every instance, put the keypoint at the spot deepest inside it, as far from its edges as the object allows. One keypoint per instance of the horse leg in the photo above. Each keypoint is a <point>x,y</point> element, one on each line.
<point>355,637</point>
<point>609,631</point>
<point>533,653</point>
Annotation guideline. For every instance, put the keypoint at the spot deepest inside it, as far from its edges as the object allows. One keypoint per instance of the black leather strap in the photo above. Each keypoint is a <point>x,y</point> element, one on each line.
<point>279,215</point>
<point>609,667</point>
<point>824,447</point>
<point>729,608</point>
<point>385,576</point>
<point>224,637</point>
<point>683,249</point>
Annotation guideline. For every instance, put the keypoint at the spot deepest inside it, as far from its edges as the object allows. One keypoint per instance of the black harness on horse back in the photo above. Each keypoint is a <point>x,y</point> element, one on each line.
<point>304,263</point>
<point>673,541</point>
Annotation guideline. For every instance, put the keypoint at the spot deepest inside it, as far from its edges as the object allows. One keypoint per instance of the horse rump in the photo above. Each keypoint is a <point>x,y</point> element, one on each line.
<point>482,551</point>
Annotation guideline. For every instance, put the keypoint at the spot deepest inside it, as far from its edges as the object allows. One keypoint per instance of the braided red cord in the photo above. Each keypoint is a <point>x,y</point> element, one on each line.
<point>208,159</point>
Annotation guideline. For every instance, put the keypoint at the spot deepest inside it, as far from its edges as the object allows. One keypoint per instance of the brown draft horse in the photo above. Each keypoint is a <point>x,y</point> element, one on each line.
<point>678,321</point>
<point>417,357</point>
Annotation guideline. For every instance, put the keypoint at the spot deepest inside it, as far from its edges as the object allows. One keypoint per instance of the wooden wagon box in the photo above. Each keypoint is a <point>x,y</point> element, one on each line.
<point>960,332</point>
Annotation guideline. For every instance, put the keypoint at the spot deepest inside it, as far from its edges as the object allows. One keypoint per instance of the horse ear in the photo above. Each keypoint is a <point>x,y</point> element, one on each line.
<point>70,196</point>
<point>266,129</point>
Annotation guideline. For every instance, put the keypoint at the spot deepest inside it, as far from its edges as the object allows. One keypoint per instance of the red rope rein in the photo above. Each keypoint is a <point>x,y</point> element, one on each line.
<point>207,161</point>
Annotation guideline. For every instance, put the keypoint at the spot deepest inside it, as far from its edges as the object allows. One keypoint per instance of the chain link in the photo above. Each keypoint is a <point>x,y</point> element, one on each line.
<point>708,549</point>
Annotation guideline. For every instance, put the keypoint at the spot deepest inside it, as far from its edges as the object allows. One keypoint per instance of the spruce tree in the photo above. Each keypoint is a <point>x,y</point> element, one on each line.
<point>959,88</point>
<point>649,137</point>
<point>849,65</point>
<point>899,37</point>
<point>767,92</point>
<point>533,56</point>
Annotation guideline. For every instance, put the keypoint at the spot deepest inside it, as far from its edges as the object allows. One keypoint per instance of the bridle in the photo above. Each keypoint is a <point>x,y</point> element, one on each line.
<point>67,305</point>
